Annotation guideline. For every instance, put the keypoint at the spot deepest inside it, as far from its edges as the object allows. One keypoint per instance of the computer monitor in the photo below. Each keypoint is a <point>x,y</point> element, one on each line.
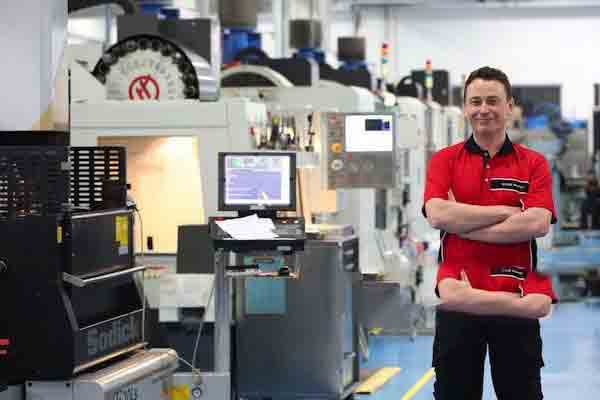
<point>257,181</point>
<point>369,133</point>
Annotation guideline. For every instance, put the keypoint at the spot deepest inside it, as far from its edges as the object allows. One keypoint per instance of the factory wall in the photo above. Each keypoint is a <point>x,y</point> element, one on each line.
<point>534,46</point>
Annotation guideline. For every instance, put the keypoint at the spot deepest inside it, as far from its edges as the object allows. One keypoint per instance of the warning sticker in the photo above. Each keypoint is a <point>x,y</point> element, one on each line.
<point>179,392</point>
<point>59,234</point>
<point>122,230</point>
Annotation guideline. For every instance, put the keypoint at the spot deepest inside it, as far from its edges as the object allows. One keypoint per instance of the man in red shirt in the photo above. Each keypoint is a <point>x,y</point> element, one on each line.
<point>490,199</point>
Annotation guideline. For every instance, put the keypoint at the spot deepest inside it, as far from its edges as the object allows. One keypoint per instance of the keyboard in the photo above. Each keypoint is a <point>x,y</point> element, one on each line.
<point>285,228</point>
<point>292,228</point>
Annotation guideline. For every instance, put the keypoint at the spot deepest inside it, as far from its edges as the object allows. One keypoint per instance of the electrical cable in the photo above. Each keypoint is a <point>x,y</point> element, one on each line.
<point>143,283</point>
<point>192,365</point>
<point>202,322</point>
<point>193,369</point>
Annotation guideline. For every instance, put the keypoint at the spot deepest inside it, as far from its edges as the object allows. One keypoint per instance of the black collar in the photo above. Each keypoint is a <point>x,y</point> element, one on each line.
<point>472,146</point>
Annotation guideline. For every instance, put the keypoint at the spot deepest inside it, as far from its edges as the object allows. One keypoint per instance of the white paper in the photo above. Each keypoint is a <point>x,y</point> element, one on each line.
<point>249,228</point>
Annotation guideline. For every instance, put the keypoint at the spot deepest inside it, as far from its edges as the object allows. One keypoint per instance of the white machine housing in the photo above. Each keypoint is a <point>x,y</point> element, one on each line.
<point>436,127</point>
<point>218,126</point>
<point>454,124</point>
<point>413,143</point>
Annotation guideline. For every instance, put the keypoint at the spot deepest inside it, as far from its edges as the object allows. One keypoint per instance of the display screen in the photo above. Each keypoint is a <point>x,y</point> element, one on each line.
<point>257,180</point>
<point>365,133</point>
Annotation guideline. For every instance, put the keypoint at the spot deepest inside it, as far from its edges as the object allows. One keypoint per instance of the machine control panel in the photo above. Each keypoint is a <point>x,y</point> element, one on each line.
<point>359,150</point>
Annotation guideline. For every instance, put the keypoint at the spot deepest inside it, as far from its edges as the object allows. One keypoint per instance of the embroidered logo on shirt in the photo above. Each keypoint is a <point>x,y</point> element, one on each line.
<point>510,272</point>
<point>509,184</point>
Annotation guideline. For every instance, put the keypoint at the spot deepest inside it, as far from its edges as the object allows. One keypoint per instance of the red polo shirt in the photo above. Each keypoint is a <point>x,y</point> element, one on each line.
<point>515,176</point>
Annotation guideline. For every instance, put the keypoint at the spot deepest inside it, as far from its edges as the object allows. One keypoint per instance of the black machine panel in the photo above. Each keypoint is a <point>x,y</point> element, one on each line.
<point>99,242</point>
<point>192,33</point>
<point>195,253</point>
<point>441,92</point>
<point>98,177</point>
<point>34,138</point>
<point>361,78</point>
<point>298,71</point>
<point>66,278</point>
<point>246,80</point>
<point>85,323</point>
<point>33,181</point>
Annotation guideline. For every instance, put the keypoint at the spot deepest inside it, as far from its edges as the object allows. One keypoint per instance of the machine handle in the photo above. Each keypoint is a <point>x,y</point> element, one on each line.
<point>79,282</point>
<point>349,267</point>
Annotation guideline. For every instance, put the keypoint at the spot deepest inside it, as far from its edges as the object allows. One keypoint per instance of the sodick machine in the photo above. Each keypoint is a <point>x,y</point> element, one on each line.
<point>73,316</point>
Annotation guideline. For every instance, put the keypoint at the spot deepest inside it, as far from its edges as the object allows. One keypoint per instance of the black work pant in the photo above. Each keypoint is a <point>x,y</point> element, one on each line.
<point>459,349</point>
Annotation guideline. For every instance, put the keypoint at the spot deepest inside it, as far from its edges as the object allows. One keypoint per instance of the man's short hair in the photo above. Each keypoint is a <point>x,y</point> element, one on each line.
<point>489,74</point>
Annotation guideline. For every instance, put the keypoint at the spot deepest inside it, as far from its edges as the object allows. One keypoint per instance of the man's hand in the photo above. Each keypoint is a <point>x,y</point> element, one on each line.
<point>465,278</point>
<point>447,286</point>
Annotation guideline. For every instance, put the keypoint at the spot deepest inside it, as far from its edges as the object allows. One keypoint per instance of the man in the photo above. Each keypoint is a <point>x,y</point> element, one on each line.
<point>491,199</point>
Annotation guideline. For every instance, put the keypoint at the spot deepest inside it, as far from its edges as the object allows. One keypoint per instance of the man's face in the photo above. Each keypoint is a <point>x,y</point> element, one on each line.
<point>487,107</point>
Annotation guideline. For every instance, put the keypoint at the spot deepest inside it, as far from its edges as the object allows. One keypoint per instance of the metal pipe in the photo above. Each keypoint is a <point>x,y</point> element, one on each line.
<point>80,282</point>
<point>108,25</point>
<point>222,315</point>
<point>278,8</point>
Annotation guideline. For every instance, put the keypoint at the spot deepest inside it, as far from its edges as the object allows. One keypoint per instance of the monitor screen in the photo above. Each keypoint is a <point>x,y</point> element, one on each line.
<point>257,181</point>
<point>366,133</point>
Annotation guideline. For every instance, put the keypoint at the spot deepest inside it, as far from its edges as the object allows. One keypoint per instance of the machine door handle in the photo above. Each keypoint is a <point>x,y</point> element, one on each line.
<point>349,267</point>
<point>80,282</point>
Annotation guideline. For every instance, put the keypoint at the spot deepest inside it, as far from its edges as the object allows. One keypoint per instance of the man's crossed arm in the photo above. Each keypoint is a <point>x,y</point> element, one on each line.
<point>458,295</point>
<point>521,227</point>
<point>453,217</point>
<point>491,224</point>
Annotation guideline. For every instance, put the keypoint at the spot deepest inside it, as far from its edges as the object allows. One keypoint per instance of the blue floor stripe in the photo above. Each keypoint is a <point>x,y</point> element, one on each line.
<point>571,352</point>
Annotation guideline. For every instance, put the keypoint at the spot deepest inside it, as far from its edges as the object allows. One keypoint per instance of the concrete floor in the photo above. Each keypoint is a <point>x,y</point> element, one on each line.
<point>571,351</point>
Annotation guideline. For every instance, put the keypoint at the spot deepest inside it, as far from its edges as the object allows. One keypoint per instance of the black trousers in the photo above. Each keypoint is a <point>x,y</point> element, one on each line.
<point>459,350</point>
